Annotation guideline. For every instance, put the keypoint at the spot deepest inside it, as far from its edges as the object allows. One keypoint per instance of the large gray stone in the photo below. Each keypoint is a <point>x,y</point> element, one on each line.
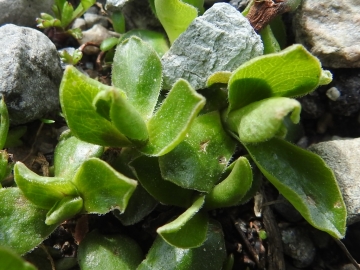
<point>330,30</point>
<point>343,157</point>
<point>23,12</point>
<point>30,73</point>
<point>220,40</point>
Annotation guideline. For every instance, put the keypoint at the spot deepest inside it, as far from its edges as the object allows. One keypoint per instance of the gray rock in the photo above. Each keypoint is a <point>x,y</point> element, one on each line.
<point>23,12</point>
<point>220,40</point>
<point>79,23</point>
<point>298,245</point>
<point>342,156</point>
<point>30,73</point>
<point>115,4</point>
<point>92,19</point>
<point>328,28</point>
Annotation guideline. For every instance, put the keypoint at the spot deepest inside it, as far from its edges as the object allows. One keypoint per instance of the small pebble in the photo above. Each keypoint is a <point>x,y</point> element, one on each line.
<point>333,93</point>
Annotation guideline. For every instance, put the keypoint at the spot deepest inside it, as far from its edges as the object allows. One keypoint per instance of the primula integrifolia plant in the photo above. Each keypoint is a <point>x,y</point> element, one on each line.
<point>177,149</point>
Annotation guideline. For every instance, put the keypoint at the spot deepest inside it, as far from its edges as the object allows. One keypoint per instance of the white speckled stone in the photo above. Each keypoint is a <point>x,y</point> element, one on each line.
<point>220,40</point>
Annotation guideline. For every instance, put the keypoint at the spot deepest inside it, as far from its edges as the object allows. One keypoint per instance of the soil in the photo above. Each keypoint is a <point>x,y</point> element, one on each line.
<point>241,226</point>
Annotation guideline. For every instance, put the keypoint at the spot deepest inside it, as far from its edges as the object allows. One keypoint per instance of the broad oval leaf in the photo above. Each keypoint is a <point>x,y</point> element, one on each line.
<point>148,173</point>
<point>198,161</point>
<point>70,153</point>
<point>169,125</point>
<point>98,251</point>
<point>12,261</point>
<point>102,188</point>
<point>233,188</point>
<point>189,229</point>
<point>175,16</point>
<point>137,70</point>
<point>42,191</point>
<point>22,224</point>
<point>77,93</point>
<point>210,255</point>
<point>63,210</point>
<point>262,120</point>
<point>289,73</point>
<point>304,179</point>
<point>123,116</point>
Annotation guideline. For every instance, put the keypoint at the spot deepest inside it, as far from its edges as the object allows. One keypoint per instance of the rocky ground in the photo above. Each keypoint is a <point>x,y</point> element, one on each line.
<point>31,72</point>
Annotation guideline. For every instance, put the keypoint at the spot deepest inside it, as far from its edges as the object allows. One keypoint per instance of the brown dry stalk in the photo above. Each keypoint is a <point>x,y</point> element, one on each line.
<point>263,11</point>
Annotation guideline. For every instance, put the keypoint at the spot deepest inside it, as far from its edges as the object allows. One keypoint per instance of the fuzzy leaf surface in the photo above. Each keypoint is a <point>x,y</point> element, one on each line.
<point>77,93</point>
<point>98,251</point>
<point>42,191</point>
<point>22,224</point>
<point>198,161</point>
<point>123,115</point>
<point>102,188</point>
<point>175,16</point>
<point>70,153</point>
<point>304,179</point>
<point>210,255</point>
<point>137,70</point>
<point>63,210</point>
<point>148,173</point>
<point>289,73</point>
<point>233,188</point>
<point>189,229</point>
<point>169,125</point>
<point>262,120</point>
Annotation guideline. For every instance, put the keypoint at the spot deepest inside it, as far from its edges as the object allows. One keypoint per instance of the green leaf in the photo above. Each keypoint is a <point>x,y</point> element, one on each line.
<point>63,210</point>
<point>210,255</point>
<point>12,261</point>
<point>198,161</point>
<point>3,164</point>
<point>67,14</point>
<point>22,224</point>
<point>76,33</point>
<point>219,77</point>
<point>112,105</point>
<point>148,173</point>
<point>233,189</point>
<point>102,188</point>
<point>42,191</point>
<point>77,93</point>
<point>118,21</point>
<point>137,70</point>
<point>14,135</point>
<point>98,251</point>
<point>175,16</point>
<point>289,73</point>
<point>271,45</point>
<point>82,8</point>
<point>4,123</point>
<point>109,43</point>
<point>155,39</point>
<point>199,4</point>
<point>140,205</point>
<point>189,229</point>
<point>168,127</point>
<point>70,153</point>
<point>305,181</point>
<point>264,119</point>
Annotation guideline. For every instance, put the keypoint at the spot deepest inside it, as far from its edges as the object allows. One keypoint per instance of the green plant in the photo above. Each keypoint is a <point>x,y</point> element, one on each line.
<point>177,148</point>
<point>65,14</point>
